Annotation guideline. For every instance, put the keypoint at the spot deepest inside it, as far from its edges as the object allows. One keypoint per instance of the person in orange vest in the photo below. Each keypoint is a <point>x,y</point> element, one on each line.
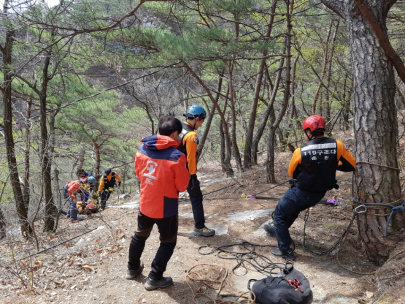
<point>313,169</point>
<point>189,143</point>
<point>107,182</point>
<point>72,190</point>
<point>161,170</point>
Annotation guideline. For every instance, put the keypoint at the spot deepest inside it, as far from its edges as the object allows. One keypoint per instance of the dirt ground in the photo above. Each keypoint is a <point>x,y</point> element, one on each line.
<point>86,262</point>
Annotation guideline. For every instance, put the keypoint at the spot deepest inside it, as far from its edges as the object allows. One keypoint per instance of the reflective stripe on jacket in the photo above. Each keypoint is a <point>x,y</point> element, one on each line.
<point>73,188</point>
<point>189,145</point>
<point>161,169</point>
<point>314,165</point>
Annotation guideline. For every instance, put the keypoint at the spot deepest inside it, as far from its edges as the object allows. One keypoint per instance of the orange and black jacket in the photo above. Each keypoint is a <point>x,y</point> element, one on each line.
<point>189,145</point>
<point>314,165</point>
<point>161,169</point>
<point>107,182</point>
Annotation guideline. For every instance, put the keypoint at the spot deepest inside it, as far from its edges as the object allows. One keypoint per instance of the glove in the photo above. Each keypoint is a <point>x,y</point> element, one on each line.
<point>119,184</point>
<point>193,180</point>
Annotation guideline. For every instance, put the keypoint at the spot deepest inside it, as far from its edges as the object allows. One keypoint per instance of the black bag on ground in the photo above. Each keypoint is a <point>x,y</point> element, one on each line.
<point>292,287</point>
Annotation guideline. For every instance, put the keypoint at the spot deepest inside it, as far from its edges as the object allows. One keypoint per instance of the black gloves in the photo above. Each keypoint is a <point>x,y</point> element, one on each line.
<point>119,184</point>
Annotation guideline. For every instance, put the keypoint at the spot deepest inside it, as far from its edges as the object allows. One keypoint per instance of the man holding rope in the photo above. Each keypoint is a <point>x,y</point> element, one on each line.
<point>313,169</point>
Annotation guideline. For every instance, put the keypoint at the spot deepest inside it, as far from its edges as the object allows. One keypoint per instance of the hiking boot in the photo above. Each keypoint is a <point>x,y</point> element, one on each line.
<point>288,255</point>
<point>132,274</point>
<point>155,284</point>
<point>271,231</point>
<point>204,231</point>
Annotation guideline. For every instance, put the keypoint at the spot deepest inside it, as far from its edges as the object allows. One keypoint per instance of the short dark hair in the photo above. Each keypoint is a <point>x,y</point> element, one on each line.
<point>169,124</point>
<point>79,171</point>
<point>318,132</point>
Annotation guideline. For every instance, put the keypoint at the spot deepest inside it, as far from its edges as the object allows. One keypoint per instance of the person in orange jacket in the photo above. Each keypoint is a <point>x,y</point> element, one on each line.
<point>161,170</point>
<point>107,183</point>
<point>313,169</point>
<point>71,190</point>
<point>189,143</point>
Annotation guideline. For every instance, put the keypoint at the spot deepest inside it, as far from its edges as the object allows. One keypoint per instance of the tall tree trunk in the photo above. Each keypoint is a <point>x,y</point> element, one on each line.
<point>7,50</point>
<point>226,146</point>
<point>329,75</point>
<point>270,107</point>
<point>2,225</point>
<point>211,115</point>
<point>324,67</point>
<point>235,148</point>
<point>247,154</point>
<point>270,176</point>
<point>26,189</point>
<point>375,126</point>
<point>80,161</point>
<point>50,209</point>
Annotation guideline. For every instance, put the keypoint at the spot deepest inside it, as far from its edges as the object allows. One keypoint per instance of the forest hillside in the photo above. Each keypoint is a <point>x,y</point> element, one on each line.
<point>83,81</point>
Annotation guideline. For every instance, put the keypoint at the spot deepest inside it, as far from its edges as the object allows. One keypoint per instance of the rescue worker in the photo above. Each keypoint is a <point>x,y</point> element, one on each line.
<point>90,182</point>
<point>71,190</point>
<point>162,173</point>
<point>107,182</point>
<point>189,142</point>
<point>313,169</point>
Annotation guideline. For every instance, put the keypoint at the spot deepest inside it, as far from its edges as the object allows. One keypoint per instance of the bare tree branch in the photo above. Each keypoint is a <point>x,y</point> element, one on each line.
<point>335,5</point>
<point>382,37</point>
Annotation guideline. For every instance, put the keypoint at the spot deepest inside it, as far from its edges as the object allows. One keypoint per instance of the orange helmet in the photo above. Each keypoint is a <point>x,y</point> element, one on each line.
<point>314,122</point>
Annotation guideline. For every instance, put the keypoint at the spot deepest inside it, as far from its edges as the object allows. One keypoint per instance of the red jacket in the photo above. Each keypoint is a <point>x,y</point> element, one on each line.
<point>73,188</point>
<point>161,169</point>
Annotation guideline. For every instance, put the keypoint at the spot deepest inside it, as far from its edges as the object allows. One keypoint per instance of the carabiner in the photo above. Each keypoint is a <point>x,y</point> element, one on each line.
<point>360,211</point>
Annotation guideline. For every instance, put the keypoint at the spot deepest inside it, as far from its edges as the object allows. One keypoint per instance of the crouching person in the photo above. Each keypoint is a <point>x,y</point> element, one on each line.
<point>161,170</point>
<point>72,189</point>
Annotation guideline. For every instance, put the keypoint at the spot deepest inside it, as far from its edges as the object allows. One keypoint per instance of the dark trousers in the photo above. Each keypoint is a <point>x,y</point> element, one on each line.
<point>288,208</point>
<point>72,212</point>
<point>196,198</point>
<point>105,195</point>
<point>168,237</point>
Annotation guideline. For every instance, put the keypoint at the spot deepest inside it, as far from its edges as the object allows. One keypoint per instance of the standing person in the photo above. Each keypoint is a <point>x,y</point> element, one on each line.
<point>162,173</point>
<point>106,187</point>
<point>71,190</point>
<point>313,169</point>
<point>189,143</point>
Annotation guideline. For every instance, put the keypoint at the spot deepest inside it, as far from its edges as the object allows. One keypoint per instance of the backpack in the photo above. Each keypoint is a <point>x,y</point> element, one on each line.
<point>292,287</point>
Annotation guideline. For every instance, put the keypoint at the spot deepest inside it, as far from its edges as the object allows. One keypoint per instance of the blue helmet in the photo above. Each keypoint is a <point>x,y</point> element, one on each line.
<point>196,111</point>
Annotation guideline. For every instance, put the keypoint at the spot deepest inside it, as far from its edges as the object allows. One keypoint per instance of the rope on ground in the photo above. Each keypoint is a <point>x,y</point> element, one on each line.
<point>246,255</point>
<point>282,183</point>
<point>339,241</point>
<point>212,277</point>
